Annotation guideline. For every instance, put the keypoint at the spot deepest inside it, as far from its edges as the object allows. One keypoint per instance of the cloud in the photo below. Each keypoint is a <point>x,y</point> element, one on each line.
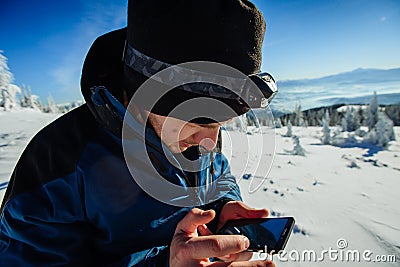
<point>383,18</point>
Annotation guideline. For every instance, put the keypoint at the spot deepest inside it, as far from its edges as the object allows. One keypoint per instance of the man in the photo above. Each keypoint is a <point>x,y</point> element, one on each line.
<point>129,179</point>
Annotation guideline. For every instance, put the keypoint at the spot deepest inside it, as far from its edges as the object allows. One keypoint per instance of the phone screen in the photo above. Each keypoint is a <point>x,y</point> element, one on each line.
<point>268,234</point>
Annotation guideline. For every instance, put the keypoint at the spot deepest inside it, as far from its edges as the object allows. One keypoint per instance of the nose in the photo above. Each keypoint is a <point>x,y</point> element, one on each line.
<point>207,137</point>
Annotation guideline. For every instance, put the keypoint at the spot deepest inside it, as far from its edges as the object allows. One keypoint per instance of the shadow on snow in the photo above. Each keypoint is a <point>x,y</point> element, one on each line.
<point>372,149</point>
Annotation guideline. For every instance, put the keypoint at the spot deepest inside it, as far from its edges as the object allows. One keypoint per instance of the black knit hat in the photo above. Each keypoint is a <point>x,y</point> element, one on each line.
<point>230,32</point>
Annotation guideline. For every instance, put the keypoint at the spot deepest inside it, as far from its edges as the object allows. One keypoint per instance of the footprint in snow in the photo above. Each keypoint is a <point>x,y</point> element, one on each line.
<point>300,230</point>
<point>300,189</point>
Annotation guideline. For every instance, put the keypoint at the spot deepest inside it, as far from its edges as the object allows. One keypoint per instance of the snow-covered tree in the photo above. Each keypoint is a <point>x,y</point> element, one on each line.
<point>383,131</point>
<point>326,132</point>
<point>393,113</point>
<point>361,116</point>
<point>344,124</point>
<point>25,98</point>
<point>28,100</point>
<point>298,149</point>
<point>8,94</point>
<point>289,130</point>
<point>35,102</point>
<point>373,112</point>
<point>327,117</point>
<point>6,77</point>
<point>351,120</point>
<point>299,116</point>
<point>278,123</point>
<point>51,105</point>
<point>7,90</point>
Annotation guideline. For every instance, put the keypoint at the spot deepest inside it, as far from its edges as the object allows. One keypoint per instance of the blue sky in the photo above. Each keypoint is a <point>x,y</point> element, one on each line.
<point>46,41</point>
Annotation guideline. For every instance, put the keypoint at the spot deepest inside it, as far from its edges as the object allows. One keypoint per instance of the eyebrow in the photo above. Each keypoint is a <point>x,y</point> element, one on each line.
<point>209,126</point>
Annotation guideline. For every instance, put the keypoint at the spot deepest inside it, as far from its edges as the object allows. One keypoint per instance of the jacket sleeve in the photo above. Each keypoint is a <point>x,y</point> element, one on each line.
<point>154,257</point>
<point>225,186</point>
<point>45,227</point>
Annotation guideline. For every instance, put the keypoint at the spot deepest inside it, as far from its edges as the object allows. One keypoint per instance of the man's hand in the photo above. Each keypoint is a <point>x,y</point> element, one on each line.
<point>190,249</point>
<point>234,210</point>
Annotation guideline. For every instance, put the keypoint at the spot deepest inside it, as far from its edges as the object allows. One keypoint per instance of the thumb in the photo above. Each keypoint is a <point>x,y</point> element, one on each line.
<point>193,219</point>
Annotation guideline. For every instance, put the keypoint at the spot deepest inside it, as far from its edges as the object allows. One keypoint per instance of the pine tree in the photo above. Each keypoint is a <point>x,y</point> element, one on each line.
<point>299,116</point>
<point>278,123</point>
<point>344,124</point>
<point>393,113</point>
<point>326,132</point>
<point>7,91</point>
<point>351,120</point>
<point>289,129</point>
<point>25,98</point>
<point>383,131</point>
<point>298,149</point>
<point>9,100</point>
<point>6,77</point>
<point>373,112</point>
<point>51,105</point>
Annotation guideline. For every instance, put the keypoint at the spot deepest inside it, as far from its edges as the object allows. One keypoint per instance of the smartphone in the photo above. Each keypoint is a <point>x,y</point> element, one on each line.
<point>265,234</point>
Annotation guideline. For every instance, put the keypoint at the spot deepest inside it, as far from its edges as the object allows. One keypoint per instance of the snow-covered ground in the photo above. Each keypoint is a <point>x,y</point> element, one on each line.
<point>335,194</point>
<point>16,129</point>
<point>350,194</point>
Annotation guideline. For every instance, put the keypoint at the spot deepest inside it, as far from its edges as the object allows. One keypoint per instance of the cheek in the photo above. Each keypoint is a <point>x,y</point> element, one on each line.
<point>186,133</point>
<point>169,136</point>
<point>173,132</point>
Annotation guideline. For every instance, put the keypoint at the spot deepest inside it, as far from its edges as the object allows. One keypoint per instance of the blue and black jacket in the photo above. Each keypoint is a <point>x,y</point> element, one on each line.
<point>71,200</point>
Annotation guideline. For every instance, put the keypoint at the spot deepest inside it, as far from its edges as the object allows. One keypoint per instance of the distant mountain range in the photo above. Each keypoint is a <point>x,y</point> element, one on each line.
<point>354,87</point>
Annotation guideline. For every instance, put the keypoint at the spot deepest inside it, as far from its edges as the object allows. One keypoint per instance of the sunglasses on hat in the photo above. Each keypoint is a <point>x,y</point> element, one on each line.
<point>255,90</point>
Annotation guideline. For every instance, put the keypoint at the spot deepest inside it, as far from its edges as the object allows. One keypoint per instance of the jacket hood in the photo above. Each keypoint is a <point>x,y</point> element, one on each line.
<point>103,65</point>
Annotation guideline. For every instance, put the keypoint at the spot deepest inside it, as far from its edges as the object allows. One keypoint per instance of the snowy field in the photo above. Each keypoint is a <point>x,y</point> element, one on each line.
<point>346,195</point>
<point>16,129</point>
<point>350,194</point>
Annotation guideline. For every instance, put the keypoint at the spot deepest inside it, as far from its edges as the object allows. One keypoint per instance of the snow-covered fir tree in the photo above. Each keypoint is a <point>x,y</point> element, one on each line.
<point>393,112</point>
<point>373,112</point>
<point>383,131</point>
<point>28,100</point>
<point>278,123</point>
<point>299,116</point>
<point>6,77</point>
<point>35,102</point>
<point>326,131</point>
<point>8,91</point>
<point>344,124</point>
<point>350,121</point>
<point>9,97</point>
<point>51,105</point>
<point>297,149</point>
<point>25,98</point>
<point>289,129</point>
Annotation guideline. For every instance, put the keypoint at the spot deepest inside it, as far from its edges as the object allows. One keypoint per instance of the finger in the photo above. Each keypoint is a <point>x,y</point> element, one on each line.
<point>215,245</point>
<point>242,256</point>
<point>248,212</point>
<point>258,263</point>
<point>236,210</point>
<point>203,230</point>
<point>193,219</point>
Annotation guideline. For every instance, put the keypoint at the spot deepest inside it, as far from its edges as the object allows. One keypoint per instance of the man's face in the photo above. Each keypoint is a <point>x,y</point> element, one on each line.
<point>179,135</point>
